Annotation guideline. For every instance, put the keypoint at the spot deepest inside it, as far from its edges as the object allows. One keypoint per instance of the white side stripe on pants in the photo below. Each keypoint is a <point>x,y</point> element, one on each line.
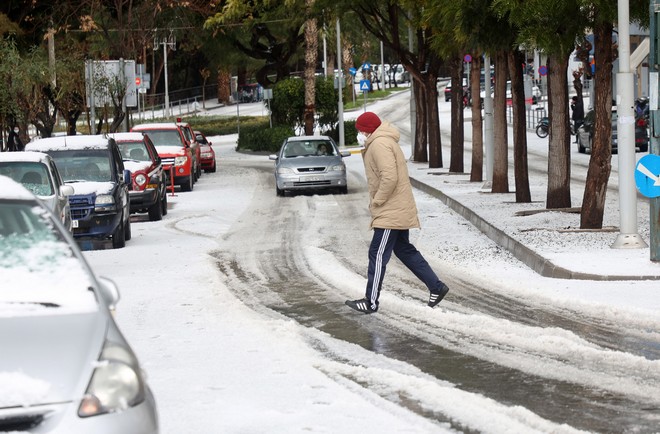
<point>379,266</point>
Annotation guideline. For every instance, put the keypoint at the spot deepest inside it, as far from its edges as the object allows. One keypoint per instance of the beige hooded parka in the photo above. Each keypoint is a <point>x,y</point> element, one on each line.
<point>392,204</point>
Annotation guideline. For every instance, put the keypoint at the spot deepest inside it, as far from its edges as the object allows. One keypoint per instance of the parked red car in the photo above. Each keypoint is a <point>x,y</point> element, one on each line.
<point>149,192</point>
<point>175,150</point>
<point>207,152</point>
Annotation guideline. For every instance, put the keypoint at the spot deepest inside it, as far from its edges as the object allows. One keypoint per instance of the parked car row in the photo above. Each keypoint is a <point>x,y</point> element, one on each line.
<point>93,183</point>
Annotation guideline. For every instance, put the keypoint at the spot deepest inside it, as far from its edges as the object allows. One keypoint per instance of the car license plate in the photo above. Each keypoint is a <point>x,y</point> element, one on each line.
<point>74,223</point>
<point>312,178</point>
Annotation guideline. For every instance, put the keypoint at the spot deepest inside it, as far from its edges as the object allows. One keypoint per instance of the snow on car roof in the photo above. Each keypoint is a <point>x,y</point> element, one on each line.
<point>155,126</point>
<point>68,142</point>
<point>127,137</point>
<point>32,156</point>
<point>306,138</point>
<point>11,189</point>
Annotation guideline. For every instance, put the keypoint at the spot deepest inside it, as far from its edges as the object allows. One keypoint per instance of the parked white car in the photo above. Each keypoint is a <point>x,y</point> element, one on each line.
<point>38,173</point>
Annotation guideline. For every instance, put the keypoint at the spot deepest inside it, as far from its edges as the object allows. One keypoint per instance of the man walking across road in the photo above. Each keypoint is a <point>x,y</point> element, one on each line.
<point>393,212</point>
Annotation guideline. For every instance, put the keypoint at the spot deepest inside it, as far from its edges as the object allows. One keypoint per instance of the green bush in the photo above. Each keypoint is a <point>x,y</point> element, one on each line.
<point>262,138</point>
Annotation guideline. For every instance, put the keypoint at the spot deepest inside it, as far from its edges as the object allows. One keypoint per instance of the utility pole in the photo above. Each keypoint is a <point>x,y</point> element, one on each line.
<point>169,41</point>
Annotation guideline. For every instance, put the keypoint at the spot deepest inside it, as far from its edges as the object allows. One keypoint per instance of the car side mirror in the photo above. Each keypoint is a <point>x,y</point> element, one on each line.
<point>127,178</point>
<point>110,292</point>
<point>272,157</point>
<point>66,190</point>
<point>345,153</point>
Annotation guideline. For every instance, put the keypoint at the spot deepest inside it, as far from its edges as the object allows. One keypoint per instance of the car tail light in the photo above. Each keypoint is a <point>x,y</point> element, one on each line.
<point>641,122</point>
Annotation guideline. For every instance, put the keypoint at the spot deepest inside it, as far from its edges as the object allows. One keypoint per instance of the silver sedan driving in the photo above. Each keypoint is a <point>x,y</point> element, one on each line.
<point>308,163</point>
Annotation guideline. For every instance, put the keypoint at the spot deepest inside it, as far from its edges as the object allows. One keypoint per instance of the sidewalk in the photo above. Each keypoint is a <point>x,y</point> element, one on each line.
<point>548,242</point>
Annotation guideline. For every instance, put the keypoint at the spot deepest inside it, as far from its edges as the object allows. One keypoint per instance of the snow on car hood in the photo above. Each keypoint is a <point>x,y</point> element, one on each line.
<point>48,359</point>
<point>135,166</point>
<point>170,150</point>
<point>89,187</point>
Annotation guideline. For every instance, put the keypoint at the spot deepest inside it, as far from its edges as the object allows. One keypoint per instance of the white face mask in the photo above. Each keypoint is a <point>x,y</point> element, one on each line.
<point>361,138</point>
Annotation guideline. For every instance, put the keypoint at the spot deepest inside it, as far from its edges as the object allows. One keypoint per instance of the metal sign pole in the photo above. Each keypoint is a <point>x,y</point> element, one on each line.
<point>654,117</point>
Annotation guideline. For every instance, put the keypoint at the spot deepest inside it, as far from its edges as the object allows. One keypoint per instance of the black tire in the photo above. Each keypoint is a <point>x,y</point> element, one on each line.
<point>119,237</point>
<point>163,203</point>
<point>344,189</point>
<point>188,186</point>
<point>156,211</point>
<point>581,148</point>
<point>644,148</point>
<point>542,131</point>
<point>128,234</point>
<point>279,192</point>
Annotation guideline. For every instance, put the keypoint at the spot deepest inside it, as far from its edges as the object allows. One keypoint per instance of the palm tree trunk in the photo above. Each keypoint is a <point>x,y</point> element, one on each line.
<point>311,54</point>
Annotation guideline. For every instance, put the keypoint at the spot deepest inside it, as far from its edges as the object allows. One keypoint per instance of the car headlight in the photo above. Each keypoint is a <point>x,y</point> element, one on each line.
<point>140,179</point>
<point>105,199</point>
<point>116,383</point>
<point>338,167</point>
<point>180,161</point>
<point>284,171</point>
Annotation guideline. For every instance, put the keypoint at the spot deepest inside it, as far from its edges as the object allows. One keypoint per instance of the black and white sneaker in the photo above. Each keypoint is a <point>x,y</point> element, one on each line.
<point>361,305</point>
<point>436,297</point>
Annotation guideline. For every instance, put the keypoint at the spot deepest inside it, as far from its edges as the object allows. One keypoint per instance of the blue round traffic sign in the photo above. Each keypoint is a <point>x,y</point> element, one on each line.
<point>543,70</point>
<point>647,175</point>
<point>467,58</point>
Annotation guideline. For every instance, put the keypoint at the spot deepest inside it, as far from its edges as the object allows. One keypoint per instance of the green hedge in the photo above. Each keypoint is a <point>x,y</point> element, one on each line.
<point>262,138</point>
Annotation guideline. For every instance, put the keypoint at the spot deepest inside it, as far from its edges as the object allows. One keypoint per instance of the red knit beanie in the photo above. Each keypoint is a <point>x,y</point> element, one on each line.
<point>367,122</point>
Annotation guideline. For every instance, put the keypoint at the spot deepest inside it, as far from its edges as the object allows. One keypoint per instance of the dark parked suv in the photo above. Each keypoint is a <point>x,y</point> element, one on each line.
<point>92,165</point>
<point>149,192</point>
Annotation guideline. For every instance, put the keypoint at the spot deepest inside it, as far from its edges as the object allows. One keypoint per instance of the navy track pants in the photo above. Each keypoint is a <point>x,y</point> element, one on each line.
<point>383,243</point>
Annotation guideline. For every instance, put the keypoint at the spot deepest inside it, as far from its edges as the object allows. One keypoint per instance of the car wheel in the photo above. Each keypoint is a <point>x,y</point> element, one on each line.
<point>118,238</point>
<point>279,192</point>
<point>156,211</point>
<point>644,148</point>
<point>163,203</point>
<point>212,168</point>
<point>344,189</point>
<point>128,234</point>
<point>581,148</point>
<point>188,186</point>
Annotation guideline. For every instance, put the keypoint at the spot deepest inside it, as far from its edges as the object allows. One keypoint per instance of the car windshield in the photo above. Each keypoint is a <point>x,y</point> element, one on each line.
<point>164,137</point>
<point>83,165</point>
<point>133,151</point>
<point>38,266</point>
<point>306,148</point>
<point>33,176</point>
